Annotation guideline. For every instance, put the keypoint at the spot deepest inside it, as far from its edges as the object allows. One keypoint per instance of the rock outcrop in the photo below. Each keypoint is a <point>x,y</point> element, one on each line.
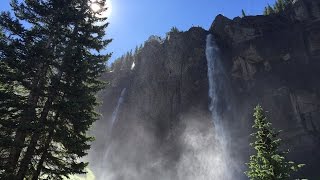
<point>271,60</point>
<point>275,62</point>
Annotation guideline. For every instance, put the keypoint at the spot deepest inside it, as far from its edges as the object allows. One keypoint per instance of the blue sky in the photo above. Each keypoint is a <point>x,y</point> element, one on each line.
<point>133,21</point>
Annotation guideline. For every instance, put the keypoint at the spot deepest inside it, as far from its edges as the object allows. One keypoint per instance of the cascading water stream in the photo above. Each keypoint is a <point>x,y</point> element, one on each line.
<point>217,94</point>
<point>215,76</point>
<point>116,110</point>
<point>114,118</point>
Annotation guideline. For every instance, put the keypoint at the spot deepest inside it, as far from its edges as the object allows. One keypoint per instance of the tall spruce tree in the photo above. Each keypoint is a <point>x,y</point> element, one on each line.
<point>49,69</point>
<point>243,13</point>
<point>269,162</point>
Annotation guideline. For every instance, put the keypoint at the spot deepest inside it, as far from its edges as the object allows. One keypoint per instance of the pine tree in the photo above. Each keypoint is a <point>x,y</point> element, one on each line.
<point>140,47</point>
<point>270,10</point>
<point>243,13</point>
<point>279,6</point>
<point>266,12</point>
<point>8,98</point>
<point>136,50</point>
<point>269,163</point>
<point>17,95</point>
<point>288,2</point>
<point>48,81</point>
<point>174,29</point>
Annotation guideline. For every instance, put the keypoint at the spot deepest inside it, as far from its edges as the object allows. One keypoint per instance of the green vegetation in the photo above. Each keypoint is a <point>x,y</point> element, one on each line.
<point>268,162</point>
<point>279,6</point>
<point>88,176</point>
<point>125,61</point>
<point>243,13</point>
<point>174,30</point>
<point>49,79</point>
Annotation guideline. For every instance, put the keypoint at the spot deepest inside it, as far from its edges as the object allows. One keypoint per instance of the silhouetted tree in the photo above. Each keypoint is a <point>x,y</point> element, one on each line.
<point>136,50</point>
<point>174,30</point>
<point>49,78</point>
<point>268,10</point>
<point>279,6</point>
<point>265,11</point>
<point>243,13</point>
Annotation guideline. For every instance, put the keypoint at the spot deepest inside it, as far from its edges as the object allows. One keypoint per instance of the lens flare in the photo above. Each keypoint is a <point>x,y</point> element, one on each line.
<point>95,6</point>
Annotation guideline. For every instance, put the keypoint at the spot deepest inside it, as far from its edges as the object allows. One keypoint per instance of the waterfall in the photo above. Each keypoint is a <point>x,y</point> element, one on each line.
<point>109,144</point>
<point>116,110</point>
<point>216,78</point>
<point>218,94</point>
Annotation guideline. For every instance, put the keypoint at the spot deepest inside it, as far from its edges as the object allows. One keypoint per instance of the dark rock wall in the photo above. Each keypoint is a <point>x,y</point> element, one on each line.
<point>275,62</point>
<point>271,60</point>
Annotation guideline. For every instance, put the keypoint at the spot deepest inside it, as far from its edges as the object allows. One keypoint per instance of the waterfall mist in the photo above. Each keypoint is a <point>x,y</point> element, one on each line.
<point>108,146</point>
<point>141,147</point>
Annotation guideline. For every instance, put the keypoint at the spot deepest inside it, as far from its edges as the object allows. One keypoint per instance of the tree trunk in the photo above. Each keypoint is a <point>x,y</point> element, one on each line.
<point>29,114</point>
<point>25,162</point>
<point>36,173</point>
<point>21,134</point>
<point>43,119</point>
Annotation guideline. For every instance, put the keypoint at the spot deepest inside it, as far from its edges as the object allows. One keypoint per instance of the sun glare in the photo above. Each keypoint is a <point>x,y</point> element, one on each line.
<point>96,7</point>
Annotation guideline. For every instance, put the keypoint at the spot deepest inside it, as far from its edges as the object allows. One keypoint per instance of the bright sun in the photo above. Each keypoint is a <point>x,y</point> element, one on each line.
<point>96,7</point>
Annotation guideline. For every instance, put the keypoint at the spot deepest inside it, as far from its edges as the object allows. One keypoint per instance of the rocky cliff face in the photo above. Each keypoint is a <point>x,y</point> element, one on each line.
<point>271,60</point>
<point>275,62</point>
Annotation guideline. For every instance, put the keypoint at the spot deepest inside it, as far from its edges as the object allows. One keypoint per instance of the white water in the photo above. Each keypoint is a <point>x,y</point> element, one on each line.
<point>108,146</point>
<point>216,78</point>
<point>133,65</point>
<point>116,110</point>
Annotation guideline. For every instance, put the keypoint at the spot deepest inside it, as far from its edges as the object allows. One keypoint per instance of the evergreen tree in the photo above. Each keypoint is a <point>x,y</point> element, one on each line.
<point>265,12</point>
<point>174,30</point>
<point>288,2</point>
<point>269,163</point>
<point>136,50</point>
<point>48,81</point>
<point>140,47</point>
<point>243,13</point>
<point>279,6</point>
<point>270,10</point>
